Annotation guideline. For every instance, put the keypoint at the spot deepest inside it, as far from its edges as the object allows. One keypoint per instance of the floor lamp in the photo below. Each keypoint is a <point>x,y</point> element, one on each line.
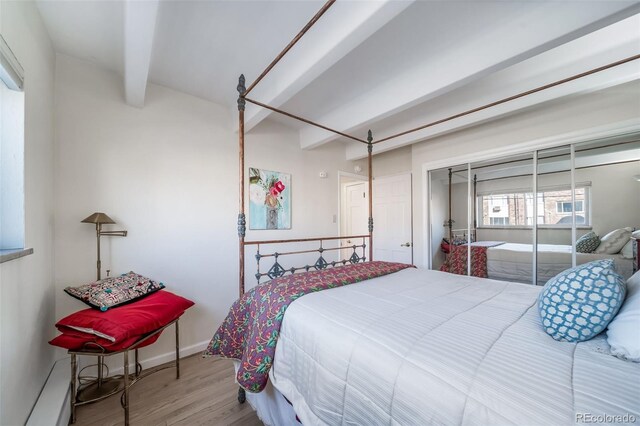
<point>102,219</point>
<point>101,387</point>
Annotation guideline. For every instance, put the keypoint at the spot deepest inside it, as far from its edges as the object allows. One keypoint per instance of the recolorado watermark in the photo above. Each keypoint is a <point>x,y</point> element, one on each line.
<point>586,418</point>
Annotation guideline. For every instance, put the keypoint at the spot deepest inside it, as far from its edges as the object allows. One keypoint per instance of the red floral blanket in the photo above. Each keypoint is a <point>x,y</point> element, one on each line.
<point>250,331</point>
<point>456,262</point>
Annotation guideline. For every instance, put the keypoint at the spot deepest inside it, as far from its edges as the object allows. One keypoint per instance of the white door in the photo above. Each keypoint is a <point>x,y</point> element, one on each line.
<point>392,228</point>
<point>356,212</point>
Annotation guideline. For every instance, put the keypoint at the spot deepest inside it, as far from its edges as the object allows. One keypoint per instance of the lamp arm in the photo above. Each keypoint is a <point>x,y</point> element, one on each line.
<point>114,233</point>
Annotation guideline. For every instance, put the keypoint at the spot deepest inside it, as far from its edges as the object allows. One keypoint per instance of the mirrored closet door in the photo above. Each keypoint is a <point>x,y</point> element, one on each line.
<point>504,217</point>
<point>608,171</point>
<point>450,212</point>
<point>555,214</point>
<point>486,221</point>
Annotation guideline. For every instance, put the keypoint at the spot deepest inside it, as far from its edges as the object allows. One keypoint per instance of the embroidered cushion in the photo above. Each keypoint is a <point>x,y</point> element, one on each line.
<point>113,291</point>
<point>577,304</point>
<point>623,333</point>
<point>613,242</point>
<point>588,243</point>
<point>124,322</point>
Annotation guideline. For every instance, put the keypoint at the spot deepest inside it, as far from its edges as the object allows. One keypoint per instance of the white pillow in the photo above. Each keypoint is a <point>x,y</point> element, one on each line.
<point>623,333</point>
<point>613,242</point>
<point>636,234</point>
<point>627,250</point>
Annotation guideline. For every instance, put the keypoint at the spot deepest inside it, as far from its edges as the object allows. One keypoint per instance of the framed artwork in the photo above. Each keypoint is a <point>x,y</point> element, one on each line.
<point>269,199</point>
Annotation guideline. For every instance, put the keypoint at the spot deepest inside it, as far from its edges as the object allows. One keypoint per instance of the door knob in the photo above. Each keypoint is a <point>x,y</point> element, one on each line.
<point>405,245</point>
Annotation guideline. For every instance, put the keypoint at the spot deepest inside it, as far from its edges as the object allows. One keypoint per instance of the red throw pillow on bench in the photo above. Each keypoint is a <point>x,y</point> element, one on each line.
<point>86,341</point>
<point>128,321</point>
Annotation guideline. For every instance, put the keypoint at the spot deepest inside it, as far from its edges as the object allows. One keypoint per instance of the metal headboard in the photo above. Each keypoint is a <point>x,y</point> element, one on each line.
<point>356,254</point>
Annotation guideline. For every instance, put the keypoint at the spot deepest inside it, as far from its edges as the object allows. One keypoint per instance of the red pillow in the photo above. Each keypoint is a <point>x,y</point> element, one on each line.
<point>127,321</point>
<point>84,341</point>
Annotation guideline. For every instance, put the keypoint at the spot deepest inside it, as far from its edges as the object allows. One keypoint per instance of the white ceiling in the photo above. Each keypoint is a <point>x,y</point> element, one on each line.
<point>386,64</point>
<point>202,47</point>
<point>88,30</point>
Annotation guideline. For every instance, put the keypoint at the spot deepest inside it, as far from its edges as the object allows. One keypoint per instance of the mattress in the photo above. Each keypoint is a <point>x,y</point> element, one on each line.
<point>513,262</point>
<point>427,347</point>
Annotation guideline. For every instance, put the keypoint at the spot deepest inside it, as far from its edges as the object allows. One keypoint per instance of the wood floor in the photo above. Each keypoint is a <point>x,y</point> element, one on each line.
<point>205,394</point>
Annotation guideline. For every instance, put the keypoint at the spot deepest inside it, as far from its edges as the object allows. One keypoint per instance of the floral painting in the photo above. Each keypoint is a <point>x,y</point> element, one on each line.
<point>269,199</point>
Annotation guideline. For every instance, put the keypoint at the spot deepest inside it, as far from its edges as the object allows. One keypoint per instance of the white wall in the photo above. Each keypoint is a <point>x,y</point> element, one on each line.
<point>619,104</point>
<point>392,162</point>
<point>26,286</point>
<point>168,173</point>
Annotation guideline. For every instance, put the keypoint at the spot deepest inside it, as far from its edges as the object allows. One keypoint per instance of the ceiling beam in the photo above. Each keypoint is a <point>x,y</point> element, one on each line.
<point>341,29</point>
<point>591,83</point>
<point>594,50</point>
<point>461,66</point>
<point>139,29</point>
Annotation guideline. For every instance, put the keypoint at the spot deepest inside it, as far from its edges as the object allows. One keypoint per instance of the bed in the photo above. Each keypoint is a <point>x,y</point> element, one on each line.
<point>513,262</point>
<point>411,346</point>
<point>426,347</point>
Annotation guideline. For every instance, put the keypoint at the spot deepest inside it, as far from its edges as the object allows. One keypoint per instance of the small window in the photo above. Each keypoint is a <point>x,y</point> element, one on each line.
<point>565,207</point>
<point>11,150</point>
<point>498,221</point>
<point>515,208</point>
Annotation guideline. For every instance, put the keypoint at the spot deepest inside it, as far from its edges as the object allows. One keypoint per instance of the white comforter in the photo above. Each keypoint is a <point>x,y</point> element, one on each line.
<point>425,347</point>
<point>513,262</point>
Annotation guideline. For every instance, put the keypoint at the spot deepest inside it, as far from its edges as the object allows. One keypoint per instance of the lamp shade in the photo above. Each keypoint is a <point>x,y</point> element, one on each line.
<point>98,217</point>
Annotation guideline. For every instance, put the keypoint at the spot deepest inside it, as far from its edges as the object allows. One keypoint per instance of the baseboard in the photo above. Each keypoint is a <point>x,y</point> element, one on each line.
<point>53,402</point>
<point>166,357</point>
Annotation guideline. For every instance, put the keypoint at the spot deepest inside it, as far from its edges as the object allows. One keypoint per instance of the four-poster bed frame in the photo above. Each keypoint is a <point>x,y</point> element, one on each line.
<point>277,270</point>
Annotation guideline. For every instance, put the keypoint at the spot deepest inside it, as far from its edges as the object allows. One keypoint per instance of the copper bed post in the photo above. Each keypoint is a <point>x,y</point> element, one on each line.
<point>370,163</point>
<point>242,223</point>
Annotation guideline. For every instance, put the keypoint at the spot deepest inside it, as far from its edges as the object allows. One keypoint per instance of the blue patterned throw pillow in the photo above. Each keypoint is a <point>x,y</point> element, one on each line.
<point>588,243</point>
<point>577,304</point>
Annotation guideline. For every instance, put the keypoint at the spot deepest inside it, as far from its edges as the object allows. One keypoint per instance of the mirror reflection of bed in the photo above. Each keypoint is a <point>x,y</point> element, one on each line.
<point>491,208</point>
